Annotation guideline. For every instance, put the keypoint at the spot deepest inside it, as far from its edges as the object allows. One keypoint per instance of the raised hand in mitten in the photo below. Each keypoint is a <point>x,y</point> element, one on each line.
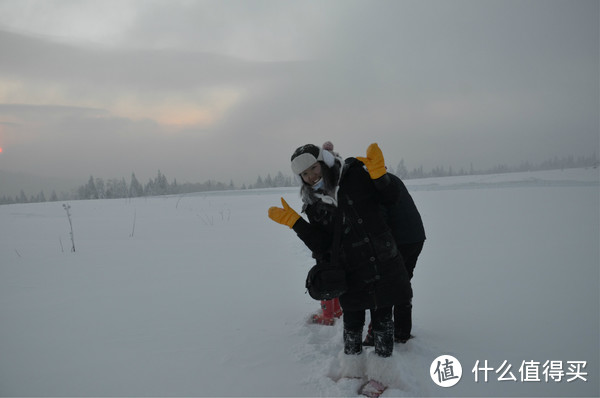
<point>374,161</point>
<point>284,216</point>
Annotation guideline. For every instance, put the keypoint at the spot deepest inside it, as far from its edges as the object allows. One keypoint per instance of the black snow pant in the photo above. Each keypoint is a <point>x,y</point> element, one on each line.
<point>403,313</point>
<point>383,331</point>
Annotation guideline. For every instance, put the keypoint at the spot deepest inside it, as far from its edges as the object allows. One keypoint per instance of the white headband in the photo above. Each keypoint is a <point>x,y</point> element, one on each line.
<point>305,160</point>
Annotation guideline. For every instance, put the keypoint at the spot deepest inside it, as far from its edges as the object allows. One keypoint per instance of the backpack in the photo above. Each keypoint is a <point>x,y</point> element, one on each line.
<point>327,280</point>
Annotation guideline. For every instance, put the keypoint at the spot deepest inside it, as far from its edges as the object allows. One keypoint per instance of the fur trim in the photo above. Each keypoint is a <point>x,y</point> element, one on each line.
<point>328,158</point>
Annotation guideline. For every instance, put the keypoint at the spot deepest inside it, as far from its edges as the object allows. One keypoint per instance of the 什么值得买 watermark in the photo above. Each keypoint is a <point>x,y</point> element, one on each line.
<point>446,371</point>
<point>534,371</point>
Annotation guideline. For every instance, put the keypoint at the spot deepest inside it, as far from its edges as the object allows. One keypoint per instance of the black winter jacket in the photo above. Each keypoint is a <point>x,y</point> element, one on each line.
<point>374,268</point>
<point>402,216</point>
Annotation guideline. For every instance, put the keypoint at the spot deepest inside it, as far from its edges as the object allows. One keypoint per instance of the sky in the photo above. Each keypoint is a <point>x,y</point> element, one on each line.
<point>226,90</point>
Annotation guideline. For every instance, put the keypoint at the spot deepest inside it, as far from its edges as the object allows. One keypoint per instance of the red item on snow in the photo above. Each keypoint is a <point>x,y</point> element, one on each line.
<point>372,389</point>
<point>330,310</point>
<point>337,309</point>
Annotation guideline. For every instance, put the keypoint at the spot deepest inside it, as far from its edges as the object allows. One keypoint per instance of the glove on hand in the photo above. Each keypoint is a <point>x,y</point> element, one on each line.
<point>286,216</point>
<point>374,161</point>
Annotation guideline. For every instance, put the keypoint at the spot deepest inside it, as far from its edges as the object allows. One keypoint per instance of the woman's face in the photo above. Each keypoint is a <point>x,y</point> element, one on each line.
<point>312,175</point>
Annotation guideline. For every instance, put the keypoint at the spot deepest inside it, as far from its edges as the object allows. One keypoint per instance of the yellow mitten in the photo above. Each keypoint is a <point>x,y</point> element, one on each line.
<point>374,161</point>
<point>286,216</point>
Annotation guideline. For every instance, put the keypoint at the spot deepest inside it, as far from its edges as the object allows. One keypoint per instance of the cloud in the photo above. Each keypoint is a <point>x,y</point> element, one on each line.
<point>259,30</point>
<point>173,86</point>
<point>231,88</point>
<point>139,69</point>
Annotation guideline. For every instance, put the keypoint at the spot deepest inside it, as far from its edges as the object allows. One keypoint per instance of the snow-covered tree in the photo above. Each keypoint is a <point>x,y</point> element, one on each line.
<point>135,188</point>
<point>401,170</point>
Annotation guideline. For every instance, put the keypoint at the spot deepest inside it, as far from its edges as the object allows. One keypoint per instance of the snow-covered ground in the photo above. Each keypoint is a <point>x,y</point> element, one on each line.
<point>203,295</point>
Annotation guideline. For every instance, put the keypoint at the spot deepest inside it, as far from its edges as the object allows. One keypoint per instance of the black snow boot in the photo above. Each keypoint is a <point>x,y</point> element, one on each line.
<point>352,342</point>
<point>384,339</point>
<point>402,322</point>
<point>384,344</point>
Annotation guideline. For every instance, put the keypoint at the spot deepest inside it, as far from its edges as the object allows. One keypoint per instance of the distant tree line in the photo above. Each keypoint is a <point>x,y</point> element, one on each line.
<point>280,180</point>
<point>97,188</point>
<point>556,163</point>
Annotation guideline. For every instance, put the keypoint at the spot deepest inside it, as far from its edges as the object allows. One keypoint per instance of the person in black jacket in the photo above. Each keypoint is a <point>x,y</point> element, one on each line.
<point>349,195</point>
<point>404,219</point>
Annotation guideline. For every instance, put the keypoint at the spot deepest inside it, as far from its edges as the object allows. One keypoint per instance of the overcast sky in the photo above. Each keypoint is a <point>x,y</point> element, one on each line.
<point>227,90</point>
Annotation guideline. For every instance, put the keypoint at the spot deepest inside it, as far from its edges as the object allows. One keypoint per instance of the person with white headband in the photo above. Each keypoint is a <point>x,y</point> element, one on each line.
<point>349,195</point>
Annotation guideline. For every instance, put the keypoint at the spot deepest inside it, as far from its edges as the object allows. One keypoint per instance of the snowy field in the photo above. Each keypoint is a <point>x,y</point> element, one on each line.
<point>203,295</point>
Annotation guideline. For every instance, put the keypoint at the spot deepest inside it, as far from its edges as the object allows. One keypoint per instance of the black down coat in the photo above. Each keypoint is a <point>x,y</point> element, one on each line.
<point>402,215</point>
<point>375,271</point>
